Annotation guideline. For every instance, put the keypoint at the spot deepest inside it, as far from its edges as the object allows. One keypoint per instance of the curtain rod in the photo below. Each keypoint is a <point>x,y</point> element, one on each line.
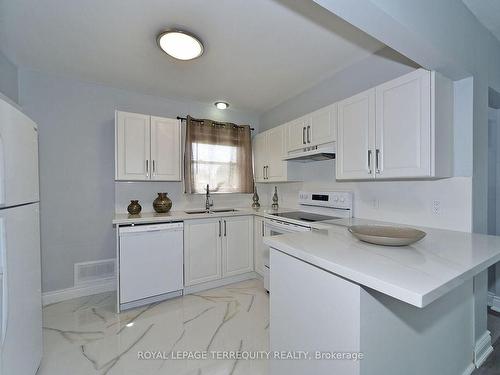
<point>184,119</point>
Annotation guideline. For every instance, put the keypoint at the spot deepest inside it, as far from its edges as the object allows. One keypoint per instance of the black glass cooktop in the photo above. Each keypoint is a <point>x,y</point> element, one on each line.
<point>304,216</point>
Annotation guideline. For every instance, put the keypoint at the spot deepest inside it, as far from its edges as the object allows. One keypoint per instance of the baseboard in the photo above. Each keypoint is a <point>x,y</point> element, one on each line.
<point>221,282</point>
<point>150,300</point>
<point>78,291</point>
<point>482,349</point>
<point>494,302</point>
<point>469,370</point>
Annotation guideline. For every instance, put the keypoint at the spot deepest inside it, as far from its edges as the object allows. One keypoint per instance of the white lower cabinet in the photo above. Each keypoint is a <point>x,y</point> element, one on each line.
<point>237,245</point>
<point>202,251</point>
<point>259,245</point>
<point>215,248</point>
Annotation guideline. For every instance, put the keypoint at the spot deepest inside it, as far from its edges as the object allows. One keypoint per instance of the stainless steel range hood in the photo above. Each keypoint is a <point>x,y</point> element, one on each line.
<point>316,153</point>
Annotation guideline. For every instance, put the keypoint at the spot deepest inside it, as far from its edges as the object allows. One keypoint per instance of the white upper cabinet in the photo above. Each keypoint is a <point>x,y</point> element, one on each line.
<point>323,126</point>
<point>259,156</point>
<point>399,129</point>
<point>269,149</point>
<point>314,129</point>
<point>356,130</point>
<point>297,134</point>
<point>132,146</point>
<point>276,149</point>
<point>165,149</point>
<point>403,126</point>
<point>147,148</point>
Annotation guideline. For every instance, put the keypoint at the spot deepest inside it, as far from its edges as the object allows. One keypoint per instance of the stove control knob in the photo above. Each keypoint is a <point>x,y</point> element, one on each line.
<point>342,199</point>
<point>335,198</point>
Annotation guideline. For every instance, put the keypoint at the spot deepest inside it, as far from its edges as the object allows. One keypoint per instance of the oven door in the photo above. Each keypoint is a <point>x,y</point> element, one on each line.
<point>275,228</point>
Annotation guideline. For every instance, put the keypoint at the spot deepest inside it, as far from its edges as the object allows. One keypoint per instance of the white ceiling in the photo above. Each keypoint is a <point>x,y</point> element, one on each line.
<point>258,53</point>
<point>487,12</point>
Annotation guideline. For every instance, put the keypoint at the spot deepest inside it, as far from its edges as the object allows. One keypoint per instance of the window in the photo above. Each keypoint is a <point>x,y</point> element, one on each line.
<point>219,155</point>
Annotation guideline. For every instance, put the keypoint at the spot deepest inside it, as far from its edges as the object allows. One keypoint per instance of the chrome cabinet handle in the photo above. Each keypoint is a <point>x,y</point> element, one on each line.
<point>225,231</point>
<point>147,168</point>
<point>220,231</point>
<point>304,135</point>
<point>377,161</point>
<point>369,161</point>
<point>308,133</point>
<point>262,222</point>
<point>154,168</point>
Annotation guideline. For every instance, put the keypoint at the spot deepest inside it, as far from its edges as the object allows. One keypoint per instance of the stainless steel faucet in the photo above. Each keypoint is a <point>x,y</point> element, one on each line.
<point>208,202</point>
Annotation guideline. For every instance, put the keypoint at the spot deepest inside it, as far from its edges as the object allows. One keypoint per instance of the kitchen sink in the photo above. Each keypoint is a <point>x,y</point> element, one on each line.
<point>221,210</point>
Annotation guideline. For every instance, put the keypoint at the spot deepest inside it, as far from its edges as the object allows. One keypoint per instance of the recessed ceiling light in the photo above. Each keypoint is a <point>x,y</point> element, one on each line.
<point>180,44</point>
<point>221,105</point>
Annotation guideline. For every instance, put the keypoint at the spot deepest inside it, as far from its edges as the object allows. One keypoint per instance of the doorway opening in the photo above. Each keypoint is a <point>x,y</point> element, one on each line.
<point>494,209</point>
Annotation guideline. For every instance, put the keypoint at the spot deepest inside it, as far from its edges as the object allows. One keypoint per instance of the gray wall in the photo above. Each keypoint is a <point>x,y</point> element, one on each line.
<point>378,68</point>
<point>76,122</point>
<point>8,79</point>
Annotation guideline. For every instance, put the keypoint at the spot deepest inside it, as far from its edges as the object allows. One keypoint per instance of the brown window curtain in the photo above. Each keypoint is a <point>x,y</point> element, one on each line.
<point>217,154</point>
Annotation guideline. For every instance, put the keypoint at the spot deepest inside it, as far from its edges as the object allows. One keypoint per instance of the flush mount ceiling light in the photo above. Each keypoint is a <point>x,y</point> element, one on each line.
<point>221,105</point>
<point>180,44</point>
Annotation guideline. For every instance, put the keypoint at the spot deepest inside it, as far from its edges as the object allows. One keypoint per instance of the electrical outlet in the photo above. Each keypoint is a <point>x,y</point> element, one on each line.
<point>436,207</point>
<point>375,204</point>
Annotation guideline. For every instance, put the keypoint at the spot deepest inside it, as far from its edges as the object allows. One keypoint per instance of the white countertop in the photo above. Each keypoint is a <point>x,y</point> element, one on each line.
<point>153,217</point>
<point>417,274</point>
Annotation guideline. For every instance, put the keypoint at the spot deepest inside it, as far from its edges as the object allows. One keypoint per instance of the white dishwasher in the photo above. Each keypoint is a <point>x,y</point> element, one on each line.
<point>150,263</point>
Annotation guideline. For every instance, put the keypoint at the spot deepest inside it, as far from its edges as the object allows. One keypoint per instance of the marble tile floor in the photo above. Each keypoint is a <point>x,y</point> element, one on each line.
<point>85,336</point>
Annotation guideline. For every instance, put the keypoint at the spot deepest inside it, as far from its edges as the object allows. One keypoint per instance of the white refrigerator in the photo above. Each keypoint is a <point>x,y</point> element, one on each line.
<point>20,274</point>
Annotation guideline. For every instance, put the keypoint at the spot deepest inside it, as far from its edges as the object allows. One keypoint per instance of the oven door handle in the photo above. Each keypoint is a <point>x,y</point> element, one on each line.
<point>281,226</point>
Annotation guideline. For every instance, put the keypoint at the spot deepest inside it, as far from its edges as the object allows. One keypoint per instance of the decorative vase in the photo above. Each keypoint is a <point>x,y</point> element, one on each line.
<point>275,205</point>
<point>162,203</point>
<point>134,208</point>
<point>255,197</point>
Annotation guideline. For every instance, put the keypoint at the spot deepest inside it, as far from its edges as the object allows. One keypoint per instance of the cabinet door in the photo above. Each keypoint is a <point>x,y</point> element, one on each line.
<point>296,132</point>
<point>202,251</point>
<point>237,245</point>
<point>259,154</point>
<point>356,137</point>
<point>323,128</point>
<point>132,132</point>
<point>275,150</point>
<point>258,245</point>
<point>403,130</point>
<point>165,149</point>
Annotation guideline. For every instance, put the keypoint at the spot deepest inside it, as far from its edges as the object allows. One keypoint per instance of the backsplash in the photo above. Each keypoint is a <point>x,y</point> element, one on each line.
<point>444,203</point>
<point>146,192</point>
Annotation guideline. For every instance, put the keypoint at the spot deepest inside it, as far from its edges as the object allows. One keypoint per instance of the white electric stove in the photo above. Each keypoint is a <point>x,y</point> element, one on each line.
<point>313,207</point>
